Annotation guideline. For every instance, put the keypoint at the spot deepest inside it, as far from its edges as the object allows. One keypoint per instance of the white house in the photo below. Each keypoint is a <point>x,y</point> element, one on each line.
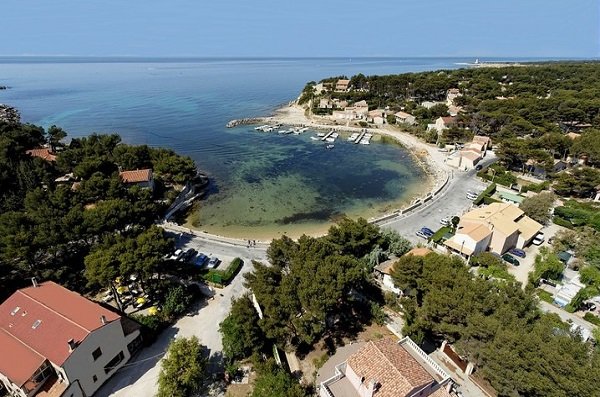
<point>376,116</point>
<point>405,118</point>
<point>55,341</point>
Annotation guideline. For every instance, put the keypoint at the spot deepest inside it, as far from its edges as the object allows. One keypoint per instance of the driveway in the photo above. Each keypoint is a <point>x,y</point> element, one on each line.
<point>139,376</point>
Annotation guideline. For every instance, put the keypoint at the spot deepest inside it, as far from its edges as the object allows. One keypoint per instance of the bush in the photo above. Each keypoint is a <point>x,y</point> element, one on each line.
<point>562,222</point>
<point>592,319</point>
<point>439,235</point>
<point>535,187</point>
<point>486,193</point>
<point>177,301</point>
<point>224,277</point>
<point>152,326</point>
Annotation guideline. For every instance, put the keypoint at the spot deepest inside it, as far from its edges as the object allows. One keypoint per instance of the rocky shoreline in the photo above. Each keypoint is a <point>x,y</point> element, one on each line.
<point>9,115</point>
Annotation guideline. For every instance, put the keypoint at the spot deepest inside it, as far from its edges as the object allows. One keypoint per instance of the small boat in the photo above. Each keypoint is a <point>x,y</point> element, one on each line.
<point>303,129</point>
<point>330,139</point>
<point>364,141</point>
<point>335,135</point>
<point>321,134</point>
<point>329,146</point>
<point>314,138</point>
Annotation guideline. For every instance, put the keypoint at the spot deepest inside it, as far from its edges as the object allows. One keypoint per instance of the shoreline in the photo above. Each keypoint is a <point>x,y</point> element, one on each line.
<point>427,157</point>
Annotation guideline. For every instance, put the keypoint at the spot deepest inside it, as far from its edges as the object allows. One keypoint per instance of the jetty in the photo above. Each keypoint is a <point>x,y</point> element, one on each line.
<point>328,135</point>
<point>360,137</point>
<point>246,121</point>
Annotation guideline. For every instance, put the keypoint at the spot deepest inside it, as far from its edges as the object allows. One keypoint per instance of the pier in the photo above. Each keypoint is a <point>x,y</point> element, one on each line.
<point>328,135</point>
<point>360,137</point>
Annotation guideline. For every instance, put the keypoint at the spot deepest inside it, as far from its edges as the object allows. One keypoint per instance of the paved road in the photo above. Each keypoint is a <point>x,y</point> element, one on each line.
<point>139,376</point>
<point>451,201</point>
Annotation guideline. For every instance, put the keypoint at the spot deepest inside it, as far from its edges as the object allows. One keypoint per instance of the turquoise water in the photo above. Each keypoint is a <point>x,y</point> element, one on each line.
<point>262,184</point>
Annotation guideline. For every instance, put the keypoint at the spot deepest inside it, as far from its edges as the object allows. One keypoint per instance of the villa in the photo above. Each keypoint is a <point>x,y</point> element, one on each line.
<point>497,227</point>
<point>54,342</point>
<point>405,118</point>
<point>383,368</point>
<point>443,123</point>
<point>342,85</point>
<point>142,178</point>
<point>376,116</point>
<point>44,153</point>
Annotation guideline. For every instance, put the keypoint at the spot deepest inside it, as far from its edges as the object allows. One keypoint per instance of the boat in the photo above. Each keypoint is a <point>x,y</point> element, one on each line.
<point>330,139</point>
<point>314,138</point>
<point>353,136</point>
<point>364,141</point>
<point>321,134</point>
<point>329,146</point>
<point>303,129</point>
<point>335,135</point>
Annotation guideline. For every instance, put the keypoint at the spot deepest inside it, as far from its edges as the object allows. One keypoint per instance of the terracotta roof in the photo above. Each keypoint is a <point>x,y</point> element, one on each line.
<point>481,139</point>
<point>47,317</point>
<point>418,251</point>
<point>474,230</point>
<point>361,104</point>
<point>387,266</point>
<point>470,154</point>
<point>441,392</point>
<point>18,371</point>
<point>458,246</point>
<point>501,216</point>
<point>391,365</point>
<point>136,176</point>
<point>343,81</point>
<point>448,119</point>
<point>403,115</point>
<point>43,153</point>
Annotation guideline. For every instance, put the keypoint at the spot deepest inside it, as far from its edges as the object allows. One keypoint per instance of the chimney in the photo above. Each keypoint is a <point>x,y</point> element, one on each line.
<point>72,344</point>
<point>103,319</point>
<point>34,282</point>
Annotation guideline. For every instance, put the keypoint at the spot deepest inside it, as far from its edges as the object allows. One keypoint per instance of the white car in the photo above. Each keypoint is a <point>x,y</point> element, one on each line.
<point>446,221</point>
<point>176,255</point>
<point>472,195</point>
<point>539,239</point>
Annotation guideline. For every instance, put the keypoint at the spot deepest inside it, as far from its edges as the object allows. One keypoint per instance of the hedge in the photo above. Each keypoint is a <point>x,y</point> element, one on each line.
<point>486,193</point>
<point>592,319</point>
<point>224,277</point>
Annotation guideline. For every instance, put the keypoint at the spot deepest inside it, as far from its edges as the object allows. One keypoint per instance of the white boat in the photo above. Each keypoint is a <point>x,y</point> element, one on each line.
<point>330,139</point>
<point>329,146</point>
<point>335,135</point>
<point>303,129</point>
<point>353,136</point>
<point>364,141</point>
<point>321,134</point>
<point>314,138</point>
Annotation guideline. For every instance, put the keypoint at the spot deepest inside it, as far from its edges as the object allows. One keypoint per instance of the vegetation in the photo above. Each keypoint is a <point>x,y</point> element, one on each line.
<point>242,335</point>
<point>273,381</point>
<point>538,207</point>
<point>48,227</point>
<point>546,265</point>
<point>574,213</point>
<point>486,193</point>
<point>497,325</point>
<point>183,369</point>
<point>224,277</point>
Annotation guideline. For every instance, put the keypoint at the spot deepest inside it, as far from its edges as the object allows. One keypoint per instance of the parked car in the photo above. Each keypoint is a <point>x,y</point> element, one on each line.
<point>422,235</point>
<point>549,282</point>
<point>213,262</point>
<point>427,231</point>
<point>472,195</point>
<point>176,255</point>
<point>589,306</point>
<point>189,254</point>
<point>446,221</point>
<point>511,259</point>
<point>200,260</point>
<point>518,252</point>
<point>478,167</point>
<point>539,239</point>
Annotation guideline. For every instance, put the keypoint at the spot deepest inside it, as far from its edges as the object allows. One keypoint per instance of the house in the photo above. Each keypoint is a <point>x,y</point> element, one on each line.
<point>512,198</point>
<point>142,178</point>
<point>376,116</point>
<point>566,292</point>
<point>597,195</point>
<point>429,104</point>
<point>325,103</point>
<point>443,123</point>
<point>484,143</point>
<point>44,153</point>
<point>451,95</point>
<point>497,227</point>
<point>383,271</point>
<point>573,135</point>
<point>383,368</point>
<point>342,85</point>
<point>55,342</point>
<point>465,159</point>
<point>405,118</point>
<point>539,171</point>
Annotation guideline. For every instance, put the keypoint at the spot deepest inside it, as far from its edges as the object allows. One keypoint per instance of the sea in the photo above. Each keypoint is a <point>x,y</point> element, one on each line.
<point>262,185</point>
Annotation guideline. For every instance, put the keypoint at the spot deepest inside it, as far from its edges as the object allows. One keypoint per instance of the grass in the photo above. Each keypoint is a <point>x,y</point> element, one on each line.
<point>439,235</point>
<point>224,277</point>
<point>545,296</point>
<point>592,319</point>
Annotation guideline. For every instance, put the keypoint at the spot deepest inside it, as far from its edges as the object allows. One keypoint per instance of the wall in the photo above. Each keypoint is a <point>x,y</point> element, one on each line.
<point>80,366</point>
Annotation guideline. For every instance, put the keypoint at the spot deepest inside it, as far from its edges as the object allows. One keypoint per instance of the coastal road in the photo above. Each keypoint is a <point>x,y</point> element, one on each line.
<point>139,376</point>
<point>451,201</point>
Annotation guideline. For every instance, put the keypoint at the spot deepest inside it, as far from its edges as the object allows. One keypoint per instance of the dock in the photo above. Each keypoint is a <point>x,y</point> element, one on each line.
<point>327,135</point>
<point>360,137</point>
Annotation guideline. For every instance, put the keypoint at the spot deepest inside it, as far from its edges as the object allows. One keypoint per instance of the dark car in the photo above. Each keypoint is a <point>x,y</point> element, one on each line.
<point>511,259</point>
<point>427,231</point>
<point>189,254</point>
<point>517,252</point>
<point>200,260</point>
<point>479,167</point>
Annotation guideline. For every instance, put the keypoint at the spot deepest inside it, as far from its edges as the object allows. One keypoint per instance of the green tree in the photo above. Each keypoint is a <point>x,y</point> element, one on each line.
<point>177,301</point>
<point>183,370</point>
<point>538,207</point>
<point>273,381</point>
<point>240,331</point>
<point>546,265</point>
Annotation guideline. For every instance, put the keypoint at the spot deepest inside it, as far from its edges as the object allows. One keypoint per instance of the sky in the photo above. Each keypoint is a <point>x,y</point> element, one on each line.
<point>301,28</point>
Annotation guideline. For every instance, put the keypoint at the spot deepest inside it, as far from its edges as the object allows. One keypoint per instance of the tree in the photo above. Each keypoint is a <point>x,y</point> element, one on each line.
<point>538,207</point>
<point>394,243</point>
<point>355,238</point>
<point>177,301</point>
<point>546,265</point>
<point>273,381</point>
<point>240,331</point>
<point>55,135</point>
<point>183,369</point>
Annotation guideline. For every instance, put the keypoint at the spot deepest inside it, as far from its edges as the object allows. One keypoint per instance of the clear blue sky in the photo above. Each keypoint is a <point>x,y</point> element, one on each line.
<point>288,28</point>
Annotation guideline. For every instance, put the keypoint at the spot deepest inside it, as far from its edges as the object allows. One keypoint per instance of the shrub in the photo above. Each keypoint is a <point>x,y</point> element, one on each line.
<point>592,319</point>
<point>224,277</point>
<point>486,193</point>
<point>177,301</point>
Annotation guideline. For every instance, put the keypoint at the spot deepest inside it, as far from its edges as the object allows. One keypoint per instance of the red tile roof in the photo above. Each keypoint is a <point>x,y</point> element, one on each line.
<point>18,371</point>
<point>136,176</point>
<point>48,316</point>
<point>394,368</point>
<point>43,153</point>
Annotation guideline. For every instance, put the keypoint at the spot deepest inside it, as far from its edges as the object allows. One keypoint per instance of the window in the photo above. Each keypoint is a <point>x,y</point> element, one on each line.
<point>112,364</point>
<point>15,310</point>
<point>96,353</point>
<point>36,324</point>
<point>95,378</point>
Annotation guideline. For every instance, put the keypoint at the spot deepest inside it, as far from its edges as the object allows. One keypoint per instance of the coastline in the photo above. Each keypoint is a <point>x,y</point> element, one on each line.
<point>426,156</point>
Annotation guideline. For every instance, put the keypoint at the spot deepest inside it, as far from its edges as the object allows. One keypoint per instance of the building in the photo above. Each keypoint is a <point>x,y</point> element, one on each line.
<point>376,116</point>
<point>451,95</point>
<point>325,103</point>
<point>383,271</point>
<point>405,118</point>
<point>483,143</point>
<point>142,178</point>
<point>54,342</point>
<point>429,104</point>
<point>497,227</point>
<point>342,85</point>
<point>383,368</point>
<point>566,292</point>
<point>443,123</point>
<point>43,153</point>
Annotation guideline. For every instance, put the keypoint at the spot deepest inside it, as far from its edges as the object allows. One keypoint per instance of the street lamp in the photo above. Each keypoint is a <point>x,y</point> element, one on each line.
<point>494,176</point>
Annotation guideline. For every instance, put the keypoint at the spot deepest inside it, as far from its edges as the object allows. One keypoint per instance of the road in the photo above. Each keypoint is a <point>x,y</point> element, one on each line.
<point>451,201</point>
<point>139,376</point>
<point>566,316</point>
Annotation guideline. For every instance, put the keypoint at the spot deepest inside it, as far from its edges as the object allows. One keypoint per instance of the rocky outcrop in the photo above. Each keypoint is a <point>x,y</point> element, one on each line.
<point>9,115</point>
